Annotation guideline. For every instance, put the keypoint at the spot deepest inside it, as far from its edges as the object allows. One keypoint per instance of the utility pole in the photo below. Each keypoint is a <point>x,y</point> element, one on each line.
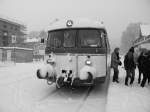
<point>14,42</point>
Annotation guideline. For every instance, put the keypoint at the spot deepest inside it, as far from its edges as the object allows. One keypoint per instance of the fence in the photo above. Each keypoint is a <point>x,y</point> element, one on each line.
<point>16,54</point>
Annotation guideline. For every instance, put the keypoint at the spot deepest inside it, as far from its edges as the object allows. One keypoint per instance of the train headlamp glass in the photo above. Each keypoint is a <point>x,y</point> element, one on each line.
<point>88,62</point>
<point>69,23</point>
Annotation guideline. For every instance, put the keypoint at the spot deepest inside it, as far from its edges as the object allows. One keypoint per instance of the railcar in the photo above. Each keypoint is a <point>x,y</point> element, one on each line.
<point>77,53</point>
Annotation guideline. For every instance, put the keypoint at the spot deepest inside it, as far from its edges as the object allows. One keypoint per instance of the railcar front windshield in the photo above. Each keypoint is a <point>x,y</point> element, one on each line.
<point>70,38</point>
<point>90,38</point>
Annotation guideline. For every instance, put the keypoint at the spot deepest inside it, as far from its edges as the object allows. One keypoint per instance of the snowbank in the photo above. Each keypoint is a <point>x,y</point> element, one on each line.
<point>18,71</point>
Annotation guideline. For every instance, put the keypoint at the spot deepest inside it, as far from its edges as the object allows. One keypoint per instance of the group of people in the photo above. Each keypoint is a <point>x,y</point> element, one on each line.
<point>131,61</point>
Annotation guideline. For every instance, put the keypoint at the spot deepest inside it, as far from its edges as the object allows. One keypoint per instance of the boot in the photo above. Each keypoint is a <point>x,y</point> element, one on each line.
<point>117,81</point>
<point>126,81</point>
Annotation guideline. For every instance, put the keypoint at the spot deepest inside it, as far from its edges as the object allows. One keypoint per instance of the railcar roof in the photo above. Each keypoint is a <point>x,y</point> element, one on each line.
<point>77,23</point>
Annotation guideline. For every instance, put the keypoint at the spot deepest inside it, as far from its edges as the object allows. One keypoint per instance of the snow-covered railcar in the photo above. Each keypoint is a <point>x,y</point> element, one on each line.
<point>77,53</point>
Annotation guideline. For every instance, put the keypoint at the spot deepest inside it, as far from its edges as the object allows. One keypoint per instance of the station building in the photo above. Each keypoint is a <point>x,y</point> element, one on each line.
<point>144,38</point>
<point>10,31</point>
<point>10,34</point>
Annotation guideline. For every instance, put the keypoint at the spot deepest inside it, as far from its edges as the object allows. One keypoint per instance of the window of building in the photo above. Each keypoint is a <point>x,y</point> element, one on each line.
<point>5,26</point>
<point>11,27</point>
<point>16,28</point>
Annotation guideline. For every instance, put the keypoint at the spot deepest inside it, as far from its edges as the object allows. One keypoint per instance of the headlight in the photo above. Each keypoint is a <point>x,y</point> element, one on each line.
<point>88,62</point>
<point>69,23</point>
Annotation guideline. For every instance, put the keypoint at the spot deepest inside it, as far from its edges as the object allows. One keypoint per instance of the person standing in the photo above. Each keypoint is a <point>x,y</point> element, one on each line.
<point>115,61</point>
<point>129,64</point>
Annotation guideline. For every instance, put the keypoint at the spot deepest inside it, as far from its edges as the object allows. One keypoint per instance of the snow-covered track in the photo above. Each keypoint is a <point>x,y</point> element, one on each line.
<point>84,98</point>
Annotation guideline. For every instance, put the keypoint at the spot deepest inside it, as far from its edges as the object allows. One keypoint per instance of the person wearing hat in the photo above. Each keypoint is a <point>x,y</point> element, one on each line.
<point>129,64</point>
<point>115,62</point>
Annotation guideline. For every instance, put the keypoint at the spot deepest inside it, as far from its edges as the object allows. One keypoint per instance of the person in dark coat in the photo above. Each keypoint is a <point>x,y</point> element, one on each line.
<point>140,66</point>
<point>130,66</point>
<point>144,65</point>
<point>115,61</point>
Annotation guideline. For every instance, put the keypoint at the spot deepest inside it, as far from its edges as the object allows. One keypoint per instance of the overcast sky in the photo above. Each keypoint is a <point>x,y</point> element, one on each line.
<point>116,14</point>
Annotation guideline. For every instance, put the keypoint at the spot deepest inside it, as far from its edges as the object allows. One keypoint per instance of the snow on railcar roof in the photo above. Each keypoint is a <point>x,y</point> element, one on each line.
<point>75,23</point>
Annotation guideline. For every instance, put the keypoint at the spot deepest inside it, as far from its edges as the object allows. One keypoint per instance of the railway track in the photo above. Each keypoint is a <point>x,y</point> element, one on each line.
<point>78,97</point>
<point>84,99</point>
<point>69,93</point>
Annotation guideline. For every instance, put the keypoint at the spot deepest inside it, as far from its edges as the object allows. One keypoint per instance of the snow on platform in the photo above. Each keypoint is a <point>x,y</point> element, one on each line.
<point>123,98</point>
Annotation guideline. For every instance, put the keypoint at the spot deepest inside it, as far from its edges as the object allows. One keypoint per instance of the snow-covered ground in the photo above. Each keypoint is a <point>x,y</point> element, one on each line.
<point>21,91</point>
<point>17,82</point>
<point>127,99</point>
<point>13,72</point>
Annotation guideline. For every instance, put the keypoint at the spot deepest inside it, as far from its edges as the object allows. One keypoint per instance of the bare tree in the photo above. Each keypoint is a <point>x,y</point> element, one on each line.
<point>43,34</point>
<point>129,35</point>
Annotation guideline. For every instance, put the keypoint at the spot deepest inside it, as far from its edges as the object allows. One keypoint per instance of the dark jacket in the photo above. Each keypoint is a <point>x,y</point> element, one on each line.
<point>115,59</point>
<point>129,62</point>
<point>144,63</point>
<point>141,60</point>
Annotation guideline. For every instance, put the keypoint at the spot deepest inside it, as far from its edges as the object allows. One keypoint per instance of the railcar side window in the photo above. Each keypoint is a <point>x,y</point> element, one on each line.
<point>104,39</point>
<point>90,38</point>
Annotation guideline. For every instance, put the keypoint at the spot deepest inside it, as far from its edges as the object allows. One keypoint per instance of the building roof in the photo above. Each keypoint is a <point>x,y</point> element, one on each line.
<point>11,21</point>
<point>145,45</point>
<point>145,29</point>
<point>77,23</point>
<point>145,35</point>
